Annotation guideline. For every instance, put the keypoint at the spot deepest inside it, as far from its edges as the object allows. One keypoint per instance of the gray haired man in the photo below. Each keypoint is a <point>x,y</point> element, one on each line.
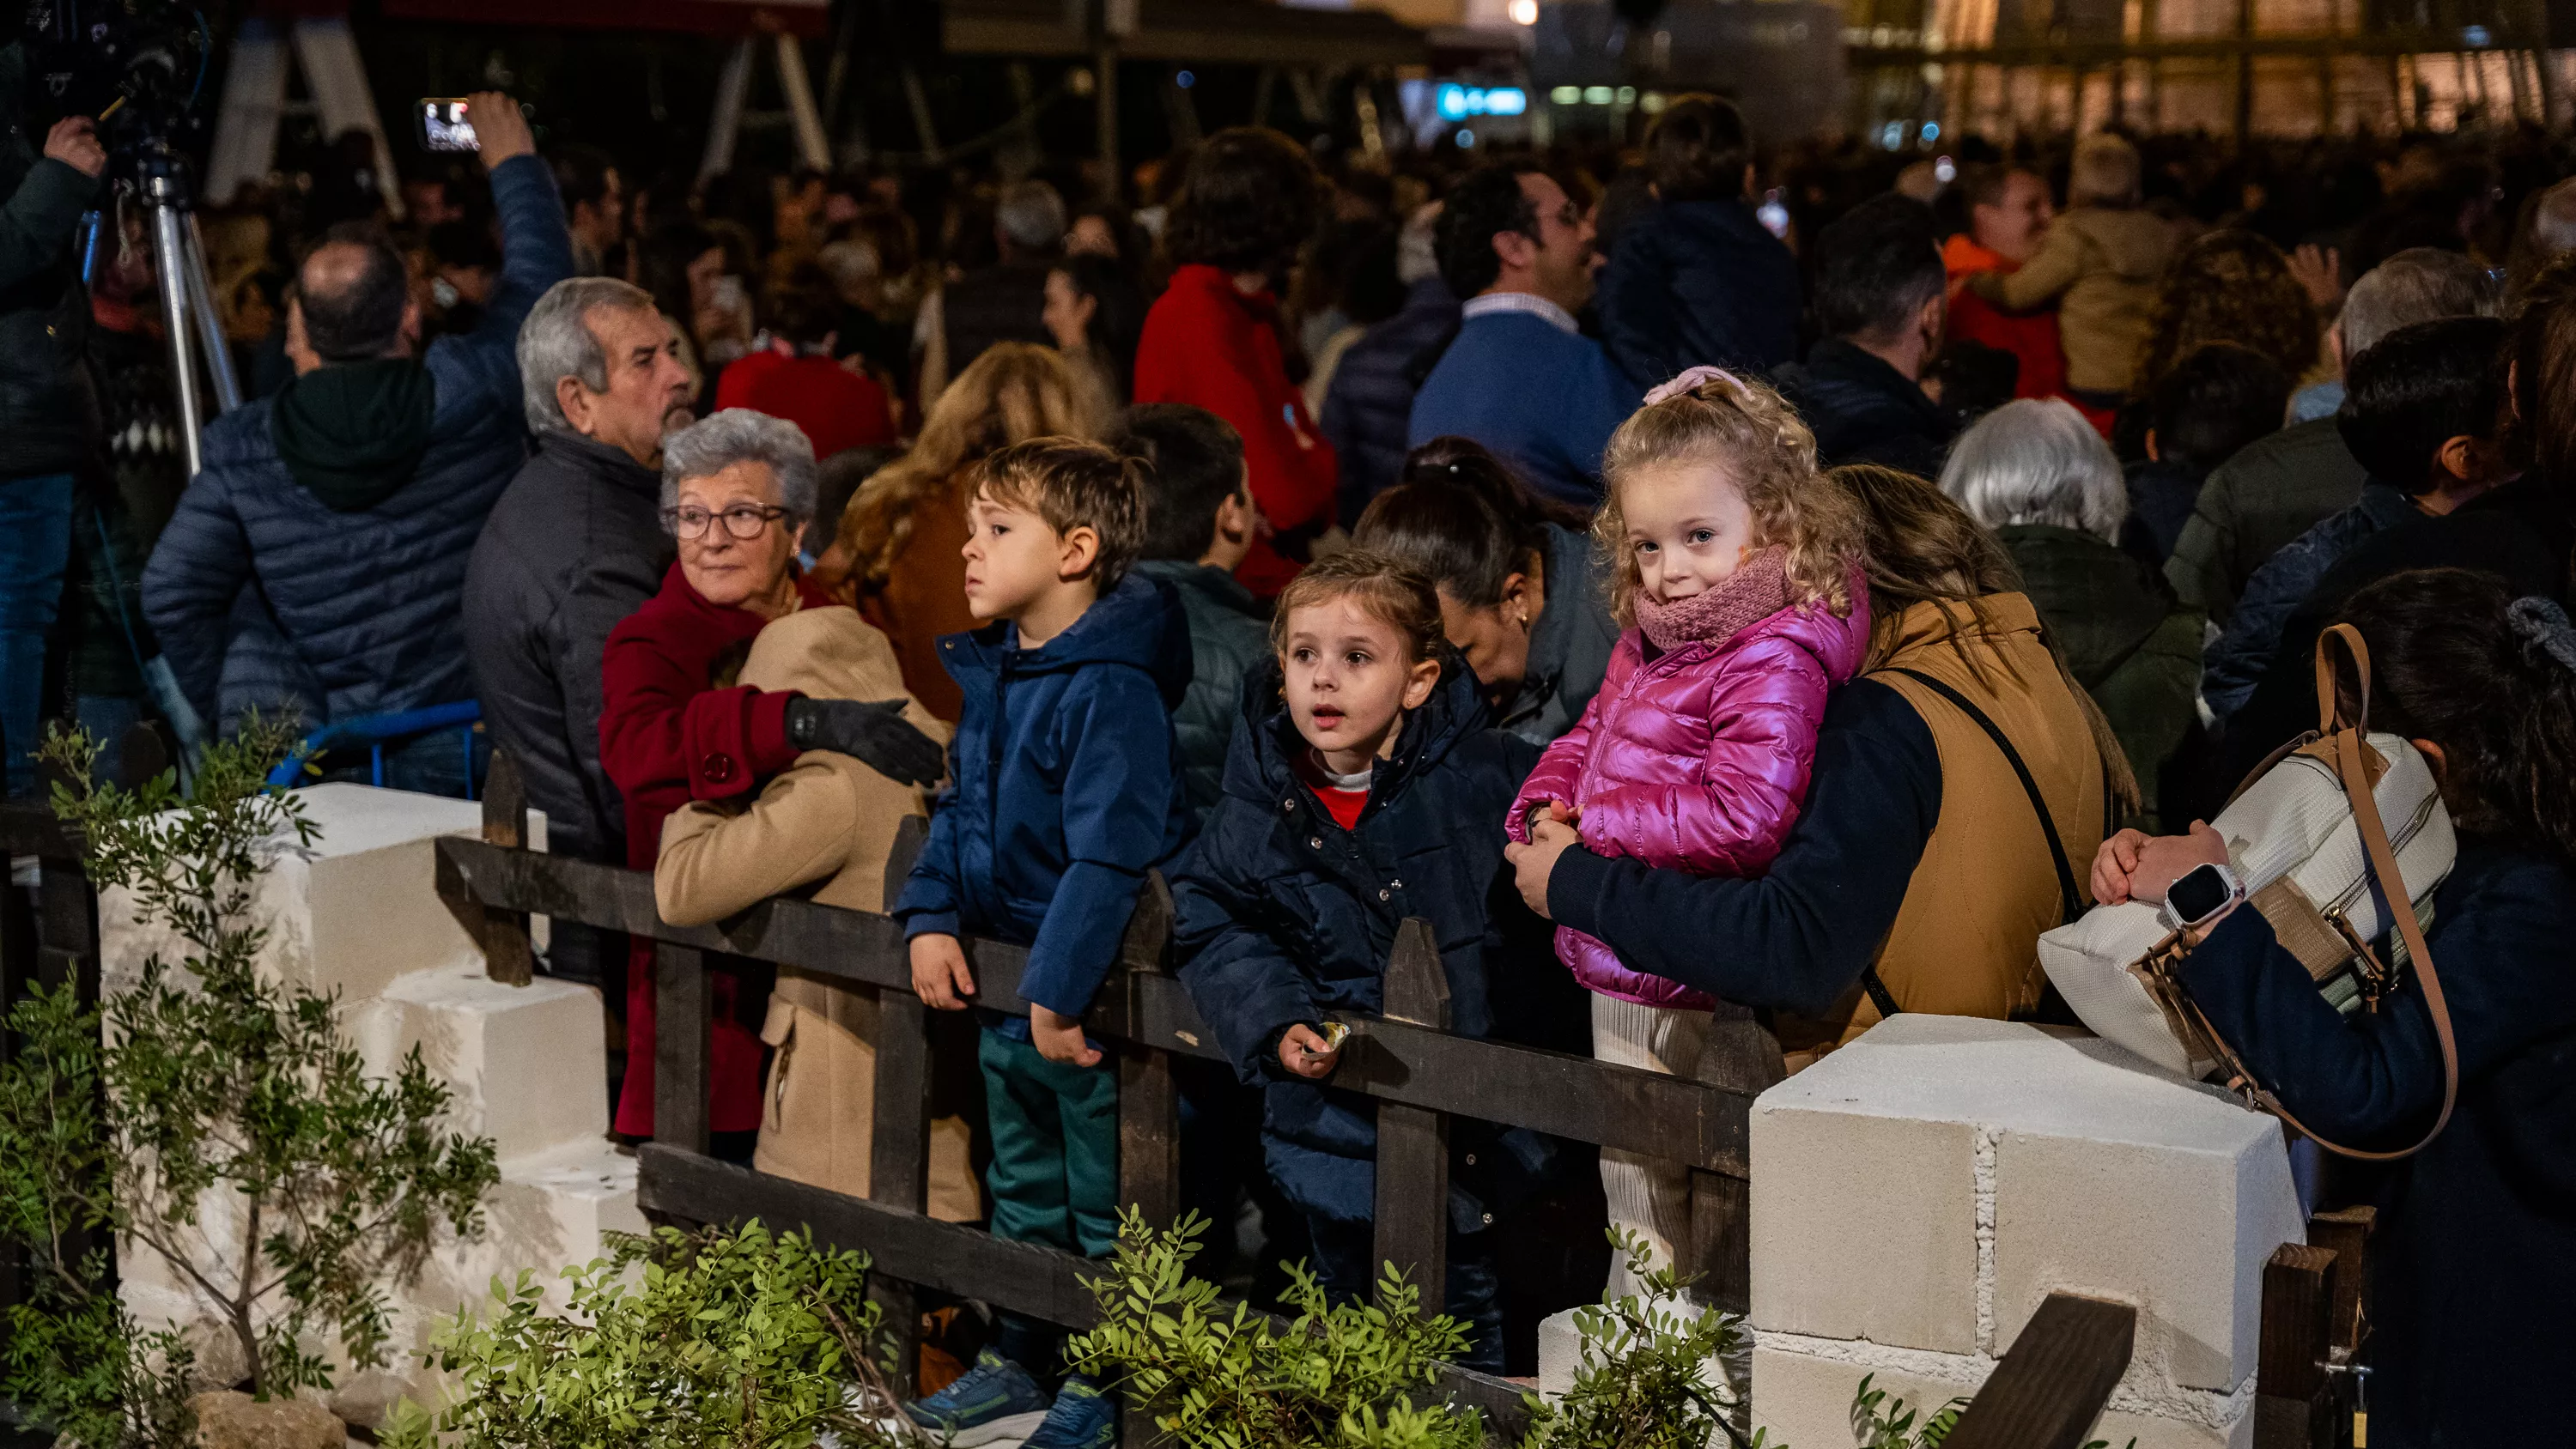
<point>574,545</point>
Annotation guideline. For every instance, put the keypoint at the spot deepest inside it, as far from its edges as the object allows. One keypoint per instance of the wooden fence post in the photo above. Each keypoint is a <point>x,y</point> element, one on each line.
<point>1413,1142</point>
<point>2293,1393</point>
<point>1149,1105</point>
<point>899,1144</point>
<point>508,957</point>
<point>2054,1379</point>
<point>1742,1055</point>
<point>2347,1231</point>
<point>682,1030</point>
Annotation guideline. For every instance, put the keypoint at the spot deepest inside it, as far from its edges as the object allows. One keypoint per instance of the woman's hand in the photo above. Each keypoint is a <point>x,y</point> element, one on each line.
<point>874,733</point>
<point>2114,864</point>
<point>940,975</point>
<point>1058,1038</point>
<point>2168,858</point>
<point>1303,1050</point>
<point>1533,863</point>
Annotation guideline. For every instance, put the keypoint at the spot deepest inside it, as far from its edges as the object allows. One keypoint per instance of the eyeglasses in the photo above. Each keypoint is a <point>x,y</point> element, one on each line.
<point>743,520</point>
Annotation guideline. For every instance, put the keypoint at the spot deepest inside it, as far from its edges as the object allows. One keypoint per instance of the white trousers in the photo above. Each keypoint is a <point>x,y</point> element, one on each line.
<point>1647,1196</point>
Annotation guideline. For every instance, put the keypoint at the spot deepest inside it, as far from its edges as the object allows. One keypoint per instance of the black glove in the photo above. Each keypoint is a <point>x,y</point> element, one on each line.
<point>874,733</point>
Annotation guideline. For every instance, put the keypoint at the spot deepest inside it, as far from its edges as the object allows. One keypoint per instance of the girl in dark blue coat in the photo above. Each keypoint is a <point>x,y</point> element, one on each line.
<point>1363,787</point>
<point>2474,1262</point>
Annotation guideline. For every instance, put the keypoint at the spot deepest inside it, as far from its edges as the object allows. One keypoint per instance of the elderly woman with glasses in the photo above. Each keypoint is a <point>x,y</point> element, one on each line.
<point>737,493</point>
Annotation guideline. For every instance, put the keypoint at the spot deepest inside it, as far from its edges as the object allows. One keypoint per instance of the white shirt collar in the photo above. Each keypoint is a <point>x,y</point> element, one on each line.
<point>1529,302</point>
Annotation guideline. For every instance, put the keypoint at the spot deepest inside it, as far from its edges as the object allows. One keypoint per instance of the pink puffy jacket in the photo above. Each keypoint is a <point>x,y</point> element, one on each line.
<point>1695,762</point>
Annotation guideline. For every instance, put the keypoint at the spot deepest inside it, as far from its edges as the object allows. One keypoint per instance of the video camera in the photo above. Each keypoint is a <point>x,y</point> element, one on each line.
<point>137,66</point>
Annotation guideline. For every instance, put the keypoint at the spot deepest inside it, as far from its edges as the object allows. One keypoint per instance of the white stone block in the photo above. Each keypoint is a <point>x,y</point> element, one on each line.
<point>1560,1354</point>
<point>528,1064</point>
<point>1803,1391</point>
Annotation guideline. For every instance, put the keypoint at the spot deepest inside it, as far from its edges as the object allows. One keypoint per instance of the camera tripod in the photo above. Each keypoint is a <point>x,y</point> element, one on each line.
<point>195,331</point>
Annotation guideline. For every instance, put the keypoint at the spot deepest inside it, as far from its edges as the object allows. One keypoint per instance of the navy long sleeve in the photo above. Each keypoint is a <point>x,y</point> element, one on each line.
<point>1797,937</point>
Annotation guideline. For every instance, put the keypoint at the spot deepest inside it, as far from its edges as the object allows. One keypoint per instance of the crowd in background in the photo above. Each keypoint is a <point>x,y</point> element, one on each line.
<point>2048,465</point>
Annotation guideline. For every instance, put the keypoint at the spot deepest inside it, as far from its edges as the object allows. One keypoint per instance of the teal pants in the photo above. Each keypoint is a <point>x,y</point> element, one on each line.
<point>1055,1148</point>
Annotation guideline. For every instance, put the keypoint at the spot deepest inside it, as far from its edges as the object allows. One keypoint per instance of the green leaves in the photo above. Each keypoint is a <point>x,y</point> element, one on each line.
<point>205,1095</point>
<point>1648,1375</point>
<point>1216,1378</point>
<point>721,1339</point>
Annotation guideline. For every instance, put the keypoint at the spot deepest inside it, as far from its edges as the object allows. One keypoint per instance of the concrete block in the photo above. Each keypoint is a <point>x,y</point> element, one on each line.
<point>2179,1226</point>
<point>1864,1220</point>
<point>528,1064</point>
<point>1560,1354</point>
<point>1803,1391</point>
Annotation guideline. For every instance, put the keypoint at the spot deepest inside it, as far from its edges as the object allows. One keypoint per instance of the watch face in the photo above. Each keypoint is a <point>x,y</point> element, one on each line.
<point>2197,894</point>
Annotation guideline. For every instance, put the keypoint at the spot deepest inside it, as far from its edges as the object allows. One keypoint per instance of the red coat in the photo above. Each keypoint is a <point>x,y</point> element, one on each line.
<point>2029,336</point>
<point>836,408</point>
<point>1208,345</point>
<point>666,738</point>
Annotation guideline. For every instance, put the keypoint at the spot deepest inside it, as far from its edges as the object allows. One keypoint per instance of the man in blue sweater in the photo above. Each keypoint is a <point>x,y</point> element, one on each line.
<point>1521,378</point>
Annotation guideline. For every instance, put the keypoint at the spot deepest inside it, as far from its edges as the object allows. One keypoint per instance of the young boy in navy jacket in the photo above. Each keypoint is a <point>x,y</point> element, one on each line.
<point>1066,792</point>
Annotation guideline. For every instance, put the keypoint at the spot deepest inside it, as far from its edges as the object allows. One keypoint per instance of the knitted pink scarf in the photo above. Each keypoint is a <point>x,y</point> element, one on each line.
<point>1758,589</point>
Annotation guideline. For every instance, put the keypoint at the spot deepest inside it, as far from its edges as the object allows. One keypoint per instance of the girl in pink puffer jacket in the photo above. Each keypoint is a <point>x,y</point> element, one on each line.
<point>1736,568</point>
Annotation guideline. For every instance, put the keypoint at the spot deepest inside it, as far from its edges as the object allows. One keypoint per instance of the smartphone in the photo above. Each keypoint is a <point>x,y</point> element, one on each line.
<point>1773,213</point>
<point>443,125</point>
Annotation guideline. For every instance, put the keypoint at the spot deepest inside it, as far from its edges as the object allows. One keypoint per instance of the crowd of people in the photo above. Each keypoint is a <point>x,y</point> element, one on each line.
<point>1691,609</point>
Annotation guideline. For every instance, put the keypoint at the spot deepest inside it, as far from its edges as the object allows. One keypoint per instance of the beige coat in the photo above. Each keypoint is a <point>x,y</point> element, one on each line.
<point>828,822</point>
<point>2100,266</point>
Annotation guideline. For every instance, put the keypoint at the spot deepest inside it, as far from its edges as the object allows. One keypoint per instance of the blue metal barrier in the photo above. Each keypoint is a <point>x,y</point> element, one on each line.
<point>377,730</point>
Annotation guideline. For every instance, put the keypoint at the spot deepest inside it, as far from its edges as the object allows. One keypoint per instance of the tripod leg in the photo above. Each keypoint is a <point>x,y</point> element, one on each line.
<point>169,263</point>
<point>210,324</point>
<point>733,91</point>
<point>792,79</point>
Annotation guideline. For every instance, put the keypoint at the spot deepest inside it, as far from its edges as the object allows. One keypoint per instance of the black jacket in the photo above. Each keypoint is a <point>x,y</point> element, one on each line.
<point>1369,404</point>
<point>2475,1256</point>
<point>1864,411</point>
<point>1698,282</point>
<point>1283,917</point>
<point>574,546</point>
<point>48,413</point>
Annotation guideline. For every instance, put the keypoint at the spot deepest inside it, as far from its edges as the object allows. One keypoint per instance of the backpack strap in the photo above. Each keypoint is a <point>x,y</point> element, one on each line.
<point>2070,900</point>
<point>2348,748</point>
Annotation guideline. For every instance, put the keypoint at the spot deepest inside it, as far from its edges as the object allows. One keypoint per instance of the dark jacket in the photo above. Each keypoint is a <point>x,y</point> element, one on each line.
<point>1570,645</point>
<point>1698,282</point>
<point>1282,917</point>
<point>369,598</point>
<point>2134,649</point>
<point>2474,1260</point>
<point>1369,402</point>
<point>48,414</point>
<point>1864,411</point>
<point>1003,303</point>
<point>1229,638</point>
<point>1067,790</point>
<point>2161,495</point>
<point>2236,659</point>
<point>2274,489</point>
<point>572,548</point>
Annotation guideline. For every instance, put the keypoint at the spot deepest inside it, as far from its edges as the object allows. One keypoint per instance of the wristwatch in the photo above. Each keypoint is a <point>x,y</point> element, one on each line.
<point>2201,895</point>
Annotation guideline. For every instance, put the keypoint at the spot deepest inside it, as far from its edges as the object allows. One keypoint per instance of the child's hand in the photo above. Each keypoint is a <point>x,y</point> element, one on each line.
<point>1058,1037</point>
<point>1304,1051</point>
<point>2113,864</point>
<point>940,975</point>
<point>1556,811</point>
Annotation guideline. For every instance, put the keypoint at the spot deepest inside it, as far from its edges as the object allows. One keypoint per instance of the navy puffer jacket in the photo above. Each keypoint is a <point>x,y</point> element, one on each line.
<point>1697,282</point>
<point>1283,917</point>
<point>369,599</point>
<point>1067,790</point>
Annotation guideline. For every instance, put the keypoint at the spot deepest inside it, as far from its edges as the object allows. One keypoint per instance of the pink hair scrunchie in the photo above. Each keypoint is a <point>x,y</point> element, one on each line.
<point>1690,381</point>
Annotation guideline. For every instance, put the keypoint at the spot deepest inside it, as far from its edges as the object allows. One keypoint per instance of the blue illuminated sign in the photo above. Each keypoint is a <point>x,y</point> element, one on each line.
<point>1457,102</point>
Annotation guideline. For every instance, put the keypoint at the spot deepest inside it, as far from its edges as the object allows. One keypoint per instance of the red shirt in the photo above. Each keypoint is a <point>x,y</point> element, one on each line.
<point>2029,336</point>
<point>837,408</point>
<point>1343,805</point>
<point>1209,345</point>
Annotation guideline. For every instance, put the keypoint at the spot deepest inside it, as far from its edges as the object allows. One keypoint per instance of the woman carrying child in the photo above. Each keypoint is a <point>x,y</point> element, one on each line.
<point>1735,573</point>
<point>1360,750</point>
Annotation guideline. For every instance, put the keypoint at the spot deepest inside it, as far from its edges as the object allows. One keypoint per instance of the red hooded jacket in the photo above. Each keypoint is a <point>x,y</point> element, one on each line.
<point>2029,336</point>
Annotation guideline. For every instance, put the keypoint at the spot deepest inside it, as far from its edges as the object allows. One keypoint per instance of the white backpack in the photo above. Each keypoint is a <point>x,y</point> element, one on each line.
<point>2336,838</point>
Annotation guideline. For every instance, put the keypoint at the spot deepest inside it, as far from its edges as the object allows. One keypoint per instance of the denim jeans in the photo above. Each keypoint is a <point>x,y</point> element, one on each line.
<point>35,546</point>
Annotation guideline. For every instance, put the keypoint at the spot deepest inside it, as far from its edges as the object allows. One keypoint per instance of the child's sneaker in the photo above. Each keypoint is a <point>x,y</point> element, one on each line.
<point>995,1400</point>
<point>1083,1418</point>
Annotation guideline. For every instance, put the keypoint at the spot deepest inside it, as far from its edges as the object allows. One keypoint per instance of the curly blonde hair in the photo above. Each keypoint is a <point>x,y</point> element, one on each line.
<point>1014,392</point>
<point>1746,429</point>
<point>2230,286</point>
